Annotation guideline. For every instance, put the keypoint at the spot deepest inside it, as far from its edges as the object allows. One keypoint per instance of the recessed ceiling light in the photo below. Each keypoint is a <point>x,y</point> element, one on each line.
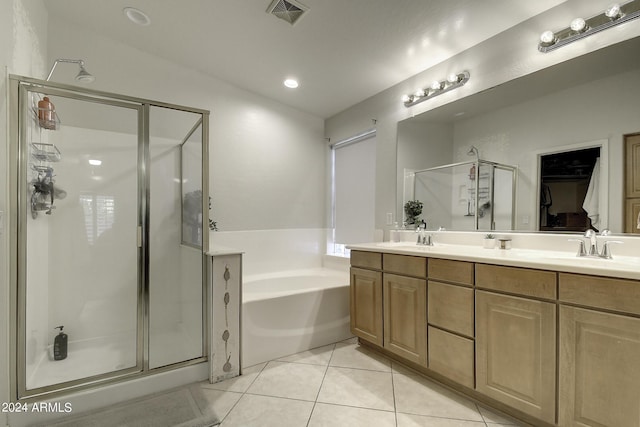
<point>136,16</point>
<point>291,83</point>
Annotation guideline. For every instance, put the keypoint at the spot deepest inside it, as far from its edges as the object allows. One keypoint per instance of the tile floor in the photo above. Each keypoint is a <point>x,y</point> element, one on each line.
<point>341,384</point>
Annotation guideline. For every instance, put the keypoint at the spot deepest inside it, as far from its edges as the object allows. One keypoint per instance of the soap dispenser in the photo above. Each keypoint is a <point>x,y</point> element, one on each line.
<point>60,345</point>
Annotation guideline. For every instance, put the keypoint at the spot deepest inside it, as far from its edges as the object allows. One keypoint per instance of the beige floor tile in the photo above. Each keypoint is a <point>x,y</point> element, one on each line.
<point>325,415</point>
<point>408,420</point>
<point>419,396</point>
<point>290,380</point>
<point>239,384</point>
<point>357,387</point>
<point>266,411</point>
<point>495,418</point>
<point>216,402</point>
<point>316,356</point>
<point>354,356</point>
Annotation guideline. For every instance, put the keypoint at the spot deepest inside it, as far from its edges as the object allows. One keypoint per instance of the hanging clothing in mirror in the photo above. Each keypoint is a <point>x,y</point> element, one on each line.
<point>591,203</point>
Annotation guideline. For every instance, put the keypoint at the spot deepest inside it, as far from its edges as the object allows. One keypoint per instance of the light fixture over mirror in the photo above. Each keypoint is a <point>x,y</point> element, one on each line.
<point>438,87</point>
<point>579,28</point>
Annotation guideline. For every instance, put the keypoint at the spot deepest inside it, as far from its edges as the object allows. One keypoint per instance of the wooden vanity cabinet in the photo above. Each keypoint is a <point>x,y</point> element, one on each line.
<point>405,317</point>
<point>366,296</point>
<point>389,302</point>
<point>599,373</point>
<point>516,339</point>
<point>451,320</point>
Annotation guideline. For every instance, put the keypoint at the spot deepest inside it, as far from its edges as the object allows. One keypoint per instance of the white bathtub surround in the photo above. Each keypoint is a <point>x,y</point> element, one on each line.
<point>294,297</point>
<point>267,251</point>
<point>293,311</point>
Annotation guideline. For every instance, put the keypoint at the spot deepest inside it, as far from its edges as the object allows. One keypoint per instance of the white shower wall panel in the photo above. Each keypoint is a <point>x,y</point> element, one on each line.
<point>92,235</point>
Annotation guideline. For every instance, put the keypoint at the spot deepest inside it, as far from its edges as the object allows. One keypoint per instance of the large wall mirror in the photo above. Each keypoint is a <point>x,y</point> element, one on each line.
<point>590,101</point>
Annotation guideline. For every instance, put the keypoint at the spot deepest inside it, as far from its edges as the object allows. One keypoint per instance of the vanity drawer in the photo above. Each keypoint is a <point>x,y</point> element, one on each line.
<point>600,292</point>
<point>451,271</point>
<point>450,307</point>
<point>404,264</point>
<point>521,281</point>
<point>371,260</point>
<point>451,356</point>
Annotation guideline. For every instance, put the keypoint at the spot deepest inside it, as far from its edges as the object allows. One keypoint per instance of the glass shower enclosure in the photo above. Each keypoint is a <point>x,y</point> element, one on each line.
<point>473,195</point>
<point>108,246</point>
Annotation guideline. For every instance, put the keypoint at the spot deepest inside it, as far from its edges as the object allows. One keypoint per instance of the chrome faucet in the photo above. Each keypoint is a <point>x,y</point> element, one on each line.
<point>593,245</point>
<point>423,238</point>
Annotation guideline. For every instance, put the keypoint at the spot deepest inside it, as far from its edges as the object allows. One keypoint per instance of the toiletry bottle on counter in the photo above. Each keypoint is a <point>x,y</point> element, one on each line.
<point>46,114</point>
<point>60,345</point>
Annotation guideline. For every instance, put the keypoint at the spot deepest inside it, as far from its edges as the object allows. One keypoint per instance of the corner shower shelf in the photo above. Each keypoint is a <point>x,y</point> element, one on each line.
<point>45,152</point>
<point>50,124</point>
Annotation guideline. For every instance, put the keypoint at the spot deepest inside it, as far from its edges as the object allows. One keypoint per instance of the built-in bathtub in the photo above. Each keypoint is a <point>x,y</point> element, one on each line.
<point>292,311</point>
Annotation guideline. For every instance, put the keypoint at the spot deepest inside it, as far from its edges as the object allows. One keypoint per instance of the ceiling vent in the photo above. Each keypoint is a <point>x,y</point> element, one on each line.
<point>288,10</point>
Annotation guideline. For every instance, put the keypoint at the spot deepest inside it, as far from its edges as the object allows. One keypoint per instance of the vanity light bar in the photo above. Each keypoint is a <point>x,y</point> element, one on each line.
<point>436,88</point>
<point>579,28</point>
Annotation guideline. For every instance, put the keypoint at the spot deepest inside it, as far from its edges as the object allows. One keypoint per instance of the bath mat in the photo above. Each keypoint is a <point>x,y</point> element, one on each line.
<point>182,407</point>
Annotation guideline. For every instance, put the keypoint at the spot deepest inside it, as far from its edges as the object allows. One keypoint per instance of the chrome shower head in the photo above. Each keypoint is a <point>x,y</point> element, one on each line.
<point>83,75</point>
<point>473,151</point>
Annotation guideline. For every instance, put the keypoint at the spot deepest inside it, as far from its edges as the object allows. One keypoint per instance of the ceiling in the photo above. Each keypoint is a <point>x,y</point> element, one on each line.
<point>341,51</point>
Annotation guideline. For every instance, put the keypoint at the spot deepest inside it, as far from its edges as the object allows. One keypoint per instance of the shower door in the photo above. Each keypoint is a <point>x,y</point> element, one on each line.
<point>107,203</point>
<point>80,179</point>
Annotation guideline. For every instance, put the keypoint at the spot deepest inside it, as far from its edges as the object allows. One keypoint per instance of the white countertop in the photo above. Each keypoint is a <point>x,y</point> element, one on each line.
<point>626,267</point>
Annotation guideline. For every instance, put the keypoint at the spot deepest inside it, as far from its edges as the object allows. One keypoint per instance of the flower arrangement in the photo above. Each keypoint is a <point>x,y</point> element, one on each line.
<point>412,210</point>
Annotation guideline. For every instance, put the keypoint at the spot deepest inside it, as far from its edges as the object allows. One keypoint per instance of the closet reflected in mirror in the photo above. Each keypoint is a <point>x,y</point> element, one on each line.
<point>569,190</point>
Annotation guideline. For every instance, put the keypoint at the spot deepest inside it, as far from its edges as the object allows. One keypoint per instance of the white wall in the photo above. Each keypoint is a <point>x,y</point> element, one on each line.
<point>421,146</point>
<point>507,56</point>
<point>267,161</point>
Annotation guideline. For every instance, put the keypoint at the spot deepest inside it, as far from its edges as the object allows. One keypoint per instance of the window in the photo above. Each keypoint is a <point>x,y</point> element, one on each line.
<point>354,175</point>
<point>99,214</point>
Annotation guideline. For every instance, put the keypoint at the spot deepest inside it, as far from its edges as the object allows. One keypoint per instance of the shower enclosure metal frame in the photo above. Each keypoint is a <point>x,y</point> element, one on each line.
<point>476,189</point>
<point>18,153</point>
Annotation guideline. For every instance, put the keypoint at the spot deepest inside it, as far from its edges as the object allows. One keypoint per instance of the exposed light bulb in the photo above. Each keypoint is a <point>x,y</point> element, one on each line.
<point>453,78</point>
<point>406,98</point>
<point>94,162</point>
<point>578,25</point>
<point>436,85</point>
<point>420,93</point>
<point>548,38</point>
<point>613,11</point>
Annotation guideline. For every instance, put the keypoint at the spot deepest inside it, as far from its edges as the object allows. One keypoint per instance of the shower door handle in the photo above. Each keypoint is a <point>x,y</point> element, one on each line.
<point>139,237</point>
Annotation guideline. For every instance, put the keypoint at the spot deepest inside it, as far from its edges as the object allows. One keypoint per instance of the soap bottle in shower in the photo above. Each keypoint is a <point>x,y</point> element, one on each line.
<point>60,345</point>
<point>46,114</point>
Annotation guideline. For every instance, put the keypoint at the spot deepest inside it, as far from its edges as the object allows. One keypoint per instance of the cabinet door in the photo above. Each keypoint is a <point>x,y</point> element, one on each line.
<point>405,317</point>
<point>632,160</point>
<point>516,352</point>
<point>599,371</point>
<point>366,305</point>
